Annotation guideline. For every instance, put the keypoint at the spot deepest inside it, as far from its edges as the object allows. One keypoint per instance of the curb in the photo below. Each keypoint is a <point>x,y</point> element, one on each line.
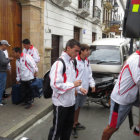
<point>23,125</point>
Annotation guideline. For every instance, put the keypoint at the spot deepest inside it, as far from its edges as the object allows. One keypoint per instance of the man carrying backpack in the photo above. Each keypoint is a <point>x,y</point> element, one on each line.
<point>63,97</point>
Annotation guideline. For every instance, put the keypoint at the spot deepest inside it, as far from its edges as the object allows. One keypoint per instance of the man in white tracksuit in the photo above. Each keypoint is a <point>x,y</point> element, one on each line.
<point>26,70</point>
<point>84,73</point>
<point>31,50</point>
<point>124,94</point>
<point>63,97</point>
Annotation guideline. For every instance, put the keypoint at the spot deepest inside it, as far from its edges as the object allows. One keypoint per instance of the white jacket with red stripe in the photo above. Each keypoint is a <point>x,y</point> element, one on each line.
<point>84,73</point>
<point>126,88</point>
<point>33,52</point>
<point>63,85</point>
<point>25,68</point>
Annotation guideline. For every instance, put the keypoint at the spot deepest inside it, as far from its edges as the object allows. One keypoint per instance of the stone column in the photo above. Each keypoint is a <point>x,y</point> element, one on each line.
<point>33,26</point>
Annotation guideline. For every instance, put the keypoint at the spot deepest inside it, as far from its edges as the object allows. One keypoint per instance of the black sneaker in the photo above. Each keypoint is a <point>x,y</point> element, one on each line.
<point>80,127</point>
<point>74,133</point>
<point>136,132</point>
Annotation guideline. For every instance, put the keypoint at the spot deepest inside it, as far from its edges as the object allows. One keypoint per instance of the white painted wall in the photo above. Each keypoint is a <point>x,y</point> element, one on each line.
<point>61,22</point>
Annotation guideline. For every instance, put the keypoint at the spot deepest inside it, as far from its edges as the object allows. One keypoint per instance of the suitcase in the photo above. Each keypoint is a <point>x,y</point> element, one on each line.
<point>37,87</point>
<point>16,94</point>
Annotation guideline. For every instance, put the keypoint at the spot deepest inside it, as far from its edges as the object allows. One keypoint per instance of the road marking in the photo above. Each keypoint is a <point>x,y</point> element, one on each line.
<point>35,124</point>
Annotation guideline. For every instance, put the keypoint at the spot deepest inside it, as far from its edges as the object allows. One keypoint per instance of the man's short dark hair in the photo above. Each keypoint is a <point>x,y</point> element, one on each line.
<point>17,50</point>
<point>84,47</point>
<point>71,43</point>
<point>26,41</point>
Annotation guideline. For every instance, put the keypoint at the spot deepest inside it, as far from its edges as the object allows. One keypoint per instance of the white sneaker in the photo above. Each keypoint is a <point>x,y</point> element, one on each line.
<point>1,104</point>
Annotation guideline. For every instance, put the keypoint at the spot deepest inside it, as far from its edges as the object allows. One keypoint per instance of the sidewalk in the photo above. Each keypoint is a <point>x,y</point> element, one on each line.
<point>14,119</point>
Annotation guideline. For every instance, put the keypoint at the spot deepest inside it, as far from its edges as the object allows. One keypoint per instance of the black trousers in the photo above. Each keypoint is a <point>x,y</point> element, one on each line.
<point>62,123</point>
<point>26,92</point>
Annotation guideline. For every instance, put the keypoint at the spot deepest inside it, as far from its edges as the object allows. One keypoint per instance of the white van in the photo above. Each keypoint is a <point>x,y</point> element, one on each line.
<point>108,55</point>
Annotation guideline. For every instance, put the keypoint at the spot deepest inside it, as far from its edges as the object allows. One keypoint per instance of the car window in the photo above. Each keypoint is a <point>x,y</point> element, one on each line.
<point>105,54</point>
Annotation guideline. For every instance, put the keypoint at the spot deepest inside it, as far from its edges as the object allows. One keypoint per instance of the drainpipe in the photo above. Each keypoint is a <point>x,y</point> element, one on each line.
<point>122,3</point>
<point>131,46</point>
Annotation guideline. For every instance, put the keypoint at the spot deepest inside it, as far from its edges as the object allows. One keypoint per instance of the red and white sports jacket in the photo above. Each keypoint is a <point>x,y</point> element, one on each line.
<point>25,68</point>
<point>33,52</point>
<point>126,88</point>
<point>63,85</point>
<point>85,74</point>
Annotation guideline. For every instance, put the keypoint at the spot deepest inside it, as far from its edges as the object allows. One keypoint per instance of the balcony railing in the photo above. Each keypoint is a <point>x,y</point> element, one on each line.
<point>108,5</point>
<point>96,12</point>
<point>63,3</point>
<point>96,15</point>
<point>84,6</point>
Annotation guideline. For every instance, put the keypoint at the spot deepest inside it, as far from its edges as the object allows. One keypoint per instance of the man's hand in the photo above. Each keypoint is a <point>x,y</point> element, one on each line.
<point>77,83</point>
<point>17,82</point>
<point>84,91</point>
<point>93,89</point>
<point>76,93</point>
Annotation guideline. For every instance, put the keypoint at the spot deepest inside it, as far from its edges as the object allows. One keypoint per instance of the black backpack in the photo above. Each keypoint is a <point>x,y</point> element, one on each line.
<point>47,90</point>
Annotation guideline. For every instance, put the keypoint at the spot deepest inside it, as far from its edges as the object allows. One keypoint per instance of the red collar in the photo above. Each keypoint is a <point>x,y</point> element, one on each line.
<point>79,58</point>
<point>138,52</point>
<point>22,54</point>
<point>31,47</point>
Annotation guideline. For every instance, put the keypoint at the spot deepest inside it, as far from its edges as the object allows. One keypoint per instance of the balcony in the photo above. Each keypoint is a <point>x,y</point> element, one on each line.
<point>106,26</point>
<point>96,15</point>
<point>62,3</point>
<point>84,8</point>
<point>108,5</point>
<point>115,28</point>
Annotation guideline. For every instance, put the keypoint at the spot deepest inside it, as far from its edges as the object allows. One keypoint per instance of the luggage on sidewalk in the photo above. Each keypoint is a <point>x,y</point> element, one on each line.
<point>37,87</point>
<point>16,94</point>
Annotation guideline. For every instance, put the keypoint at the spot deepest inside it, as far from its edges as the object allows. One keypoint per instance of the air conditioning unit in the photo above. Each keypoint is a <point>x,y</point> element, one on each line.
<point>83,12</point>
<point>62,3</point>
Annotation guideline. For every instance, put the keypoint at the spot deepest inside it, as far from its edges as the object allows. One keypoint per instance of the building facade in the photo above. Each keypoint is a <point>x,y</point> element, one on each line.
<point>49,24</point>
<point>67,19</point>
<point>21,19</point>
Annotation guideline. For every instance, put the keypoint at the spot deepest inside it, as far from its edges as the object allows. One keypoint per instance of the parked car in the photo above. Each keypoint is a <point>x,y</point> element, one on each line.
<point>106,58</point>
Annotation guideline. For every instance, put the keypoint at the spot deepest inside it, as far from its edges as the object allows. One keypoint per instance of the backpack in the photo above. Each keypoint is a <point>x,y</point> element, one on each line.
<point>47,90</point>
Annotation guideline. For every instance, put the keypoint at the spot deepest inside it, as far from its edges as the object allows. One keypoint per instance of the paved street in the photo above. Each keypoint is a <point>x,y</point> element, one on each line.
<point>94,117</point>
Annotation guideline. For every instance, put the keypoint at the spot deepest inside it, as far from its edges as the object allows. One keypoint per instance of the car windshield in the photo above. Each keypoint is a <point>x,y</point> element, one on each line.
<point>105,54</point>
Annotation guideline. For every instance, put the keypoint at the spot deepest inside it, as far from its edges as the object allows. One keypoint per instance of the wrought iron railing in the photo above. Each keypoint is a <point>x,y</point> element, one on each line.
<point>96,12</point>
<point>85,4</point>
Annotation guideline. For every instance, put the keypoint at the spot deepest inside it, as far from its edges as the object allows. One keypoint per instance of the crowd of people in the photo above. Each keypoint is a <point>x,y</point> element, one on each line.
<point>70,88</point>
<point>26,69</point>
